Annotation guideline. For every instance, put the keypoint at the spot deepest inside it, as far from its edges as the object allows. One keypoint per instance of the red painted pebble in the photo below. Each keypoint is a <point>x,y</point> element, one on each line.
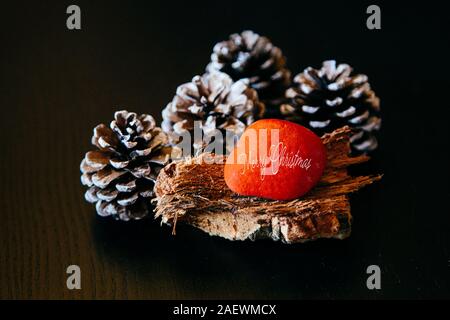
<point>275,159</point>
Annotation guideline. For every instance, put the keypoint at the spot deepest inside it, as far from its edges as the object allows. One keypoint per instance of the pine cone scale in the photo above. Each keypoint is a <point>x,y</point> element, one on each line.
<point>104,137</point>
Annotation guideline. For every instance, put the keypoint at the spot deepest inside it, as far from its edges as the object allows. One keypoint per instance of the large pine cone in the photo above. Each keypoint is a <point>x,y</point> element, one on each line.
<point>213,101</point>
<point>249,55</point>
<point>331,97</point>
<point>121,173</point>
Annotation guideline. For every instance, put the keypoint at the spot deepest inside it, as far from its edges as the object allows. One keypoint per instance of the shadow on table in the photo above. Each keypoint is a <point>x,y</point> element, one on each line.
<point>196,265</point>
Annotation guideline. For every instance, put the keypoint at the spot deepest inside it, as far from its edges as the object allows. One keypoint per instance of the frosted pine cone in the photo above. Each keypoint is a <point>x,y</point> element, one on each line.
<point>215,102</point>
<point>121,173</point>
<point>249,55</point>
<point>331,97</point>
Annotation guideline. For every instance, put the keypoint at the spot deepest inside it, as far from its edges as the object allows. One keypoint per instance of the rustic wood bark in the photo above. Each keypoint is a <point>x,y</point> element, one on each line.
<point>193,192</point>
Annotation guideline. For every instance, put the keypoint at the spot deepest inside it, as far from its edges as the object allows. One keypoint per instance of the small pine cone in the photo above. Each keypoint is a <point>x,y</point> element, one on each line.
<point>121,173</point>
<point>331,97</point>
<point>249,55</point>
<point>214,101</point>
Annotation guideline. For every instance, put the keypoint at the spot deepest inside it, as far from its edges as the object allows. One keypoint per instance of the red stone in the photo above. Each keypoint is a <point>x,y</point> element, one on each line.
<point>275,159</point>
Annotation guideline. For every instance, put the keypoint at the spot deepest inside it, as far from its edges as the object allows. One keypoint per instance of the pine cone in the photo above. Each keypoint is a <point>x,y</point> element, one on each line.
<point>121,173</point>
<point>215,102</point>
<point>331,97</point>
<point>249,55</point>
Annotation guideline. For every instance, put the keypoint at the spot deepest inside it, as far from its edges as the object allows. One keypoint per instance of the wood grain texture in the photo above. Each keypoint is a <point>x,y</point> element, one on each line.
<point>56,85</point>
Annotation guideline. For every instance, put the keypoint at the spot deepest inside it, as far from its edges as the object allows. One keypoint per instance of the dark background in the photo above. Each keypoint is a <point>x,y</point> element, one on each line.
<point>56,85</point>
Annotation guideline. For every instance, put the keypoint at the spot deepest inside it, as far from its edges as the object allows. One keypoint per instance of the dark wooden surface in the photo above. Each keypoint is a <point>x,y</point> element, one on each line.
<point>56,85</point>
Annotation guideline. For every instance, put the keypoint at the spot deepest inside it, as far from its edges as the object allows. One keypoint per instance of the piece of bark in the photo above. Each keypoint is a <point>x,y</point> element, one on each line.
<point>195,192</point>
